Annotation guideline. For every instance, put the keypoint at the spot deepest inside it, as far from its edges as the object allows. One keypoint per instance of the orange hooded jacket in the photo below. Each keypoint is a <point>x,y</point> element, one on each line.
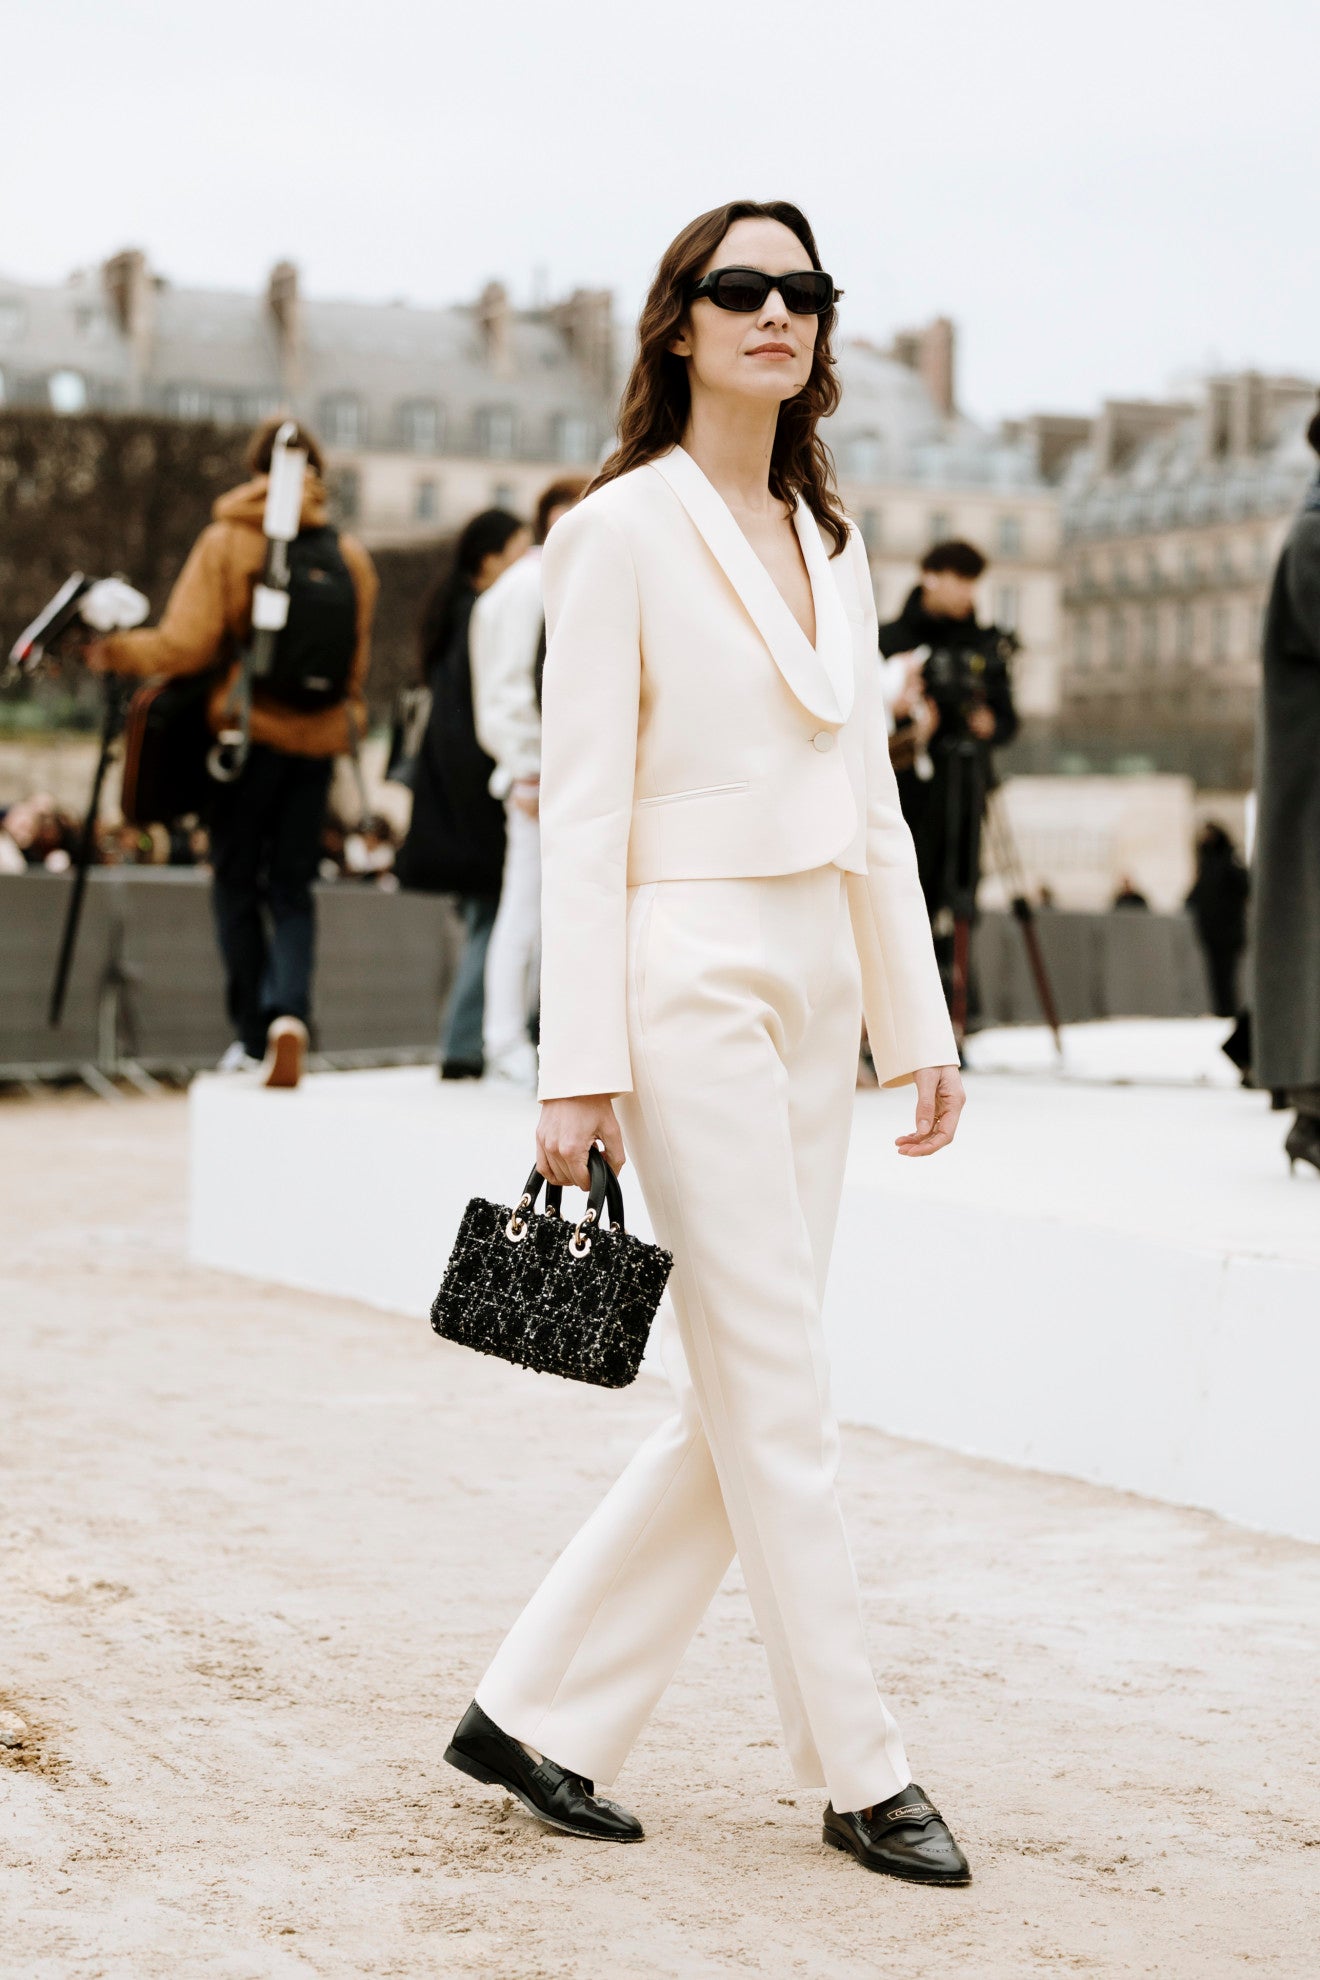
<point>209,616</point>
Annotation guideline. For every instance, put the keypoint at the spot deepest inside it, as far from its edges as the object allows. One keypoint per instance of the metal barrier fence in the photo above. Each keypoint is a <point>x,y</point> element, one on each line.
<point>1122,964</point>
<point>146,988</point>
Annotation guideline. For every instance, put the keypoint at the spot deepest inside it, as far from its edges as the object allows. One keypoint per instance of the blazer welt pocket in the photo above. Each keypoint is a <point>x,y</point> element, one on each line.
<point>707,790</point>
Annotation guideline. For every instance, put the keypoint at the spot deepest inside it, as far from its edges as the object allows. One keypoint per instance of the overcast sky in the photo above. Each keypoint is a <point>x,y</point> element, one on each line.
<point>1108,199</point>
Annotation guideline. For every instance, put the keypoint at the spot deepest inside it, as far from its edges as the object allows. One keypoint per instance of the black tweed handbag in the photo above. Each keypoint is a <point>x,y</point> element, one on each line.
<point>572,1300</point>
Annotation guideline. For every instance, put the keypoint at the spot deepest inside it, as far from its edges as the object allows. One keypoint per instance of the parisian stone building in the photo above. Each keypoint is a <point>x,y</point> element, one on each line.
<point>1173,516</point>
<point>428,414</point>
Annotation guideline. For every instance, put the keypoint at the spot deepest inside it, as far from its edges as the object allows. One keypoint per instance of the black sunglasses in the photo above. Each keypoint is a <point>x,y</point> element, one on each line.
<point>809,293</point>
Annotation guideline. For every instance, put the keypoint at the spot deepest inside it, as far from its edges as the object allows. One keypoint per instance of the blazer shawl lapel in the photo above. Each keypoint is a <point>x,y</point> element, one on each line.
<point>822,677</point>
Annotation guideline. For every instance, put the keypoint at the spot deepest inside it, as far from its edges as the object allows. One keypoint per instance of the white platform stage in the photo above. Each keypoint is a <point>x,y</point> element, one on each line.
<point>1118,1282</point>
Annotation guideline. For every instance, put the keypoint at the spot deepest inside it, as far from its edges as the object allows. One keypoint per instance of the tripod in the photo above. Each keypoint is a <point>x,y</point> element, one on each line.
<point>114,703</point>
<point>970,794</point>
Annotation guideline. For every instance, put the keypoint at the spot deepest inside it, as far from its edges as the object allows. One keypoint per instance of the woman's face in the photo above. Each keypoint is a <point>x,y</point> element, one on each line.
<point>766,355</point>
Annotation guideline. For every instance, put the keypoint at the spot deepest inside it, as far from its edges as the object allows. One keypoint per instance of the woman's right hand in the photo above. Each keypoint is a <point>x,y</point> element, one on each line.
<point>566,1131</point>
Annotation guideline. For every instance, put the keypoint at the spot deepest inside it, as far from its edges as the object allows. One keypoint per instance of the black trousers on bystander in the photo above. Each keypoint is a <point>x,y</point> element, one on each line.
<point>265,847</point>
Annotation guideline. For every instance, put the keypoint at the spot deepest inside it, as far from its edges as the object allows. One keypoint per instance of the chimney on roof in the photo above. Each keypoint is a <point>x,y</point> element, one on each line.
<point>285,306</point>
<point>1125,425</point>
<point>1056,437</point>
<point>1235,416</point>
<point>586,322</point>
<point>932,353</point>
<point>130,290</point>
<point>495,321</point>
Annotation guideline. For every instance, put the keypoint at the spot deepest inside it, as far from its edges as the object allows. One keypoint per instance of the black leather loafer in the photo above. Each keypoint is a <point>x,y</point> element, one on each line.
<point>561,1800</point>
<point>905,1836</point>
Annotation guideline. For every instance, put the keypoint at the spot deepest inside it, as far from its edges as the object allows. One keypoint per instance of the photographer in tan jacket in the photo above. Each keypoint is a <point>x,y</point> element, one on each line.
<point>265,827</point>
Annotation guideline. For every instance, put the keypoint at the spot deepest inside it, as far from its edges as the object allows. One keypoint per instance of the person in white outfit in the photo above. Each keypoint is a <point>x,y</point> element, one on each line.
<point>728,883</point>
<point>506,641</point>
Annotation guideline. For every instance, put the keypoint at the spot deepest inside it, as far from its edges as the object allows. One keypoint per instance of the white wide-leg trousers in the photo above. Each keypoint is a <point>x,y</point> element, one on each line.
<point>514,952</point>
<point>744,1017</point>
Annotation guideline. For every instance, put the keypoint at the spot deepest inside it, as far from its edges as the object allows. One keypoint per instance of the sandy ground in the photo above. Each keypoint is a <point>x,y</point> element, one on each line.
<point>259,1544</point>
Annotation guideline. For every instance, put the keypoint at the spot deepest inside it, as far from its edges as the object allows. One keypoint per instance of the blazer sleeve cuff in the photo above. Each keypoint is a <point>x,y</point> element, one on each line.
<point>572,1082</point>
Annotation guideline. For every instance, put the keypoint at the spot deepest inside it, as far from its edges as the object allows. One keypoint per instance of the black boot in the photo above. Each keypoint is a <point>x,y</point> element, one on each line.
<point>1303,1143</point>
<point>905,1836</point>
<point>561,1800</point>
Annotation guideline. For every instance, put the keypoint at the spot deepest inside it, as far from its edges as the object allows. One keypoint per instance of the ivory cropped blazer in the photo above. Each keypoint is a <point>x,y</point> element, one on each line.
<point>692,732</point>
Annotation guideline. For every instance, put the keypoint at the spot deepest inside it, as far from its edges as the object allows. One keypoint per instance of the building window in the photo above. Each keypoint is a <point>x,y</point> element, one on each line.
<point>1010,536</point>
<point>187,402</point>
<point>13,318</point>
<point>502,496</point>
<point>1082,643</point>
<point>869,524</point>
<point>938,528</point>
<point>1150,637</point>
<point>1219,634</point>
<point>419,426</point>
<point>1224,562</point>
<point>866,456</point>
<point>91,322</point>
<point>1191,566</point>
<point>1006,606</point>
<point>495,432</point>
<point>1117,639</point>
<point>426,500</point>
<point>574,439</point>
<point>345,494</point>
<point>1154,575</point>
<point>68,391</point>
<point>342,421</point>
<point>1184,631</point>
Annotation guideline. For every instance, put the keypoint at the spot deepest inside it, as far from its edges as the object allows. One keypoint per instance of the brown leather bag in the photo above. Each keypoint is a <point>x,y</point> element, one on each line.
<point>903,746</point>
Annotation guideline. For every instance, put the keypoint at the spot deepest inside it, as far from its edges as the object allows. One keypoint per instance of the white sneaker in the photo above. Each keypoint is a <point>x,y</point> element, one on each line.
<point>236,1060</point>
<point>516,1067</point>
<point>286,1048</point>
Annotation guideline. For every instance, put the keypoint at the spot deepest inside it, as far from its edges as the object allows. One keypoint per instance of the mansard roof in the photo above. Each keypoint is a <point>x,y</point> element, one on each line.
<point>1194,468</point>
<point>218,352</point>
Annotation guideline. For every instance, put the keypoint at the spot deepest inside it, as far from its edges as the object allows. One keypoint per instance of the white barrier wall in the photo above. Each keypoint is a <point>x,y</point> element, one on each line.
<point>1119,1284</point>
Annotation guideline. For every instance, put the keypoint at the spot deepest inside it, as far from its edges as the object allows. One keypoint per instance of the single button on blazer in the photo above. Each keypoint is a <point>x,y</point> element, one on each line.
<point>691,731</point>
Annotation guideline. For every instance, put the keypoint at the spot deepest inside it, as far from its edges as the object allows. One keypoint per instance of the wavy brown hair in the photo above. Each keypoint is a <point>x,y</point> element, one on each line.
<point>657,397</point>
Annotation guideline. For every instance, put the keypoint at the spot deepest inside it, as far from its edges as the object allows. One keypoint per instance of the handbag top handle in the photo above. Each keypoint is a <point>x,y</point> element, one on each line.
<point>604,1193</point>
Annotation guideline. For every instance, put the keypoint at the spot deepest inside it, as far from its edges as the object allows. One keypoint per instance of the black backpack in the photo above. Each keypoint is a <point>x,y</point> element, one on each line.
<point>314,652</point>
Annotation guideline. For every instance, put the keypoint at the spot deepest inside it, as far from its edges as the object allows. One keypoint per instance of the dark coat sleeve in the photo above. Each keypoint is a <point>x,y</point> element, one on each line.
<point>1302,578</point>
<point>999,700</point>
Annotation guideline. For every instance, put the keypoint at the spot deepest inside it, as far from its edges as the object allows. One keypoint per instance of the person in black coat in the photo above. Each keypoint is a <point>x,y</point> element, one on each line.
<point>968,709</point>
<point>1218,906</point>
<point>455,842</point>
<point>1286,865</point>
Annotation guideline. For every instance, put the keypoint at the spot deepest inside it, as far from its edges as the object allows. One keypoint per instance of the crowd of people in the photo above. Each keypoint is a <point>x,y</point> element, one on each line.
<point>39,835</point>
<point>473,769</point>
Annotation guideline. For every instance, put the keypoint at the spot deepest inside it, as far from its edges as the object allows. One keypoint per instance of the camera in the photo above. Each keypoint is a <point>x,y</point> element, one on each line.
<point>958,678</point>
<point>101,605</point>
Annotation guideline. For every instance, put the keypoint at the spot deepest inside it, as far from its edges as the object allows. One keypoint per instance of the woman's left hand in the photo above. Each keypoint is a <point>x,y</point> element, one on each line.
<point>940,1100</point>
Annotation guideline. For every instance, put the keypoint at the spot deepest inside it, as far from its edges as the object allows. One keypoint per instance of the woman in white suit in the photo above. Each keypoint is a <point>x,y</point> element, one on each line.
<point>727,884</point>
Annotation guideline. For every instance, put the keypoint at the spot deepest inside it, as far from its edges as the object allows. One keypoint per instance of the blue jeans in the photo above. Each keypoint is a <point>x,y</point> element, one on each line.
<point>460,1033</point>
<point>265,849</point>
